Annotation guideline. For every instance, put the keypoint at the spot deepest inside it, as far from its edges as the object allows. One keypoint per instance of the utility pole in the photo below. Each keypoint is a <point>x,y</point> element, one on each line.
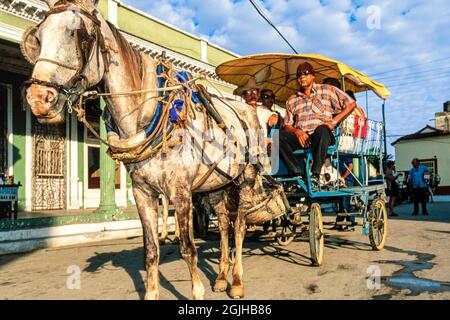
<point>384,135</point>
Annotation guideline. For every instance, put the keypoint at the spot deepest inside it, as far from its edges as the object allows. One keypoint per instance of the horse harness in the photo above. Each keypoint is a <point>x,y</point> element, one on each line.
<point>86,43</point>
<point>85,49</point>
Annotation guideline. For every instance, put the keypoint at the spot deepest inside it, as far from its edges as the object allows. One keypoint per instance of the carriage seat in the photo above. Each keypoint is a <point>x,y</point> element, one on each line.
<point>331,150</point>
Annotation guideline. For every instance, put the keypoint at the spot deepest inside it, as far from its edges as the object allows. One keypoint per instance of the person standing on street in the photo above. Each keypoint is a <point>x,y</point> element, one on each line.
<point>418,186</point>
<point>392,186</point>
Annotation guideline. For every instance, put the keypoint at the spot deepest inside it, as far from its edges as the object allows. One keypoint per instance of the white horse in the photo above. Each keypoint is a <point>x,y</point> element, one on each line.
<point>75,49</point>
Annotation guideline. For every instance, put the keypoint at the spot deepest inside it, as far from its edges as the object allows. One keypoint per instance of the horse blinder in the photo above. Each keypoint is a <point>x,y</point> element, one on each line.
<point>30,46</point>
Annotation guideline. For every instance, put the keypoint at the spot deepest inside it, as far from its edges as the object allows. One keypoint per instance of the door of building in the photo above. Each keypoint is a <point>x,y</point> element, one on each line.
<point>49,166</point>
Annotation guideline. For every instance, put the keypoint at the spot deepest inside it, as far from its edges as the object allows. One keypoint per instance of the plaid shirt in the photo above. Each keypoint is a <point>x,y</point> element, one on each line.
<point>307,114</point>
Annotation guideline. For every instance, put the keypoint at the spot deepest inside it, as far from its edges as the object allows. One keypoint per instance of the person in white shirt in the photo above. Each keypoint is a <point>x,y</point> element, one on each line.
<point>268,118</point>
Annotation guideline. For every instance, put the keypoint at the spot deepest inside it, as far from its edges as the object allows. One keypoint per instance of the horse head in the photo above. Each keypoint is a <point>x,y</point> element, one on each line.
<point>68,54</point>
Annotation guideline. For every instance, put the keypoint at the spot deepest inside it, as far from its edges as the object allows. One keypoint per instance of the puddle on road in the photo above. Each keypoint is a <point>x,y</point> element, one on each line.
<point>406,279</point>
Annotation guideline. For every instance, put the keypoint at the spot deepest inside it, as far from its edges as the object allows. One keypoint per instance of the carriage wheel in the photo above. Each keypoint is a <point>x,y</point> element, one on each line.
<point>288,232</point>
<point>378,224</point>
<point>316,236</point>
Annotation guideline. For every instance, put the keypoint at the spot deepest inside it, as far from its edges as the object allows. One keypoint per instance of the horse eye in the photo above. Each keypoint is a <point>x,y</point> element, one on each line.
<point>72,32</point>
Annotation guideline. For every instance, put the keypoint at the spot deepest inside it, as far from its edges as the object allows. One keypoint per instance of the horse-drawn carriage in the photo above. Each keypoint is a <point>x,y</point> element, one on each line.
<point>357,138</point>
<point>159,126</point>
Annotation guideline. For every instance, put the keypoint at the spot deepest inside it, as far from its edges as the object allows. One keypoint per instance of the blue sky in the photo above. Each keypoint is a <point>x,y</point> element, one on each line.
<point>404,44</point>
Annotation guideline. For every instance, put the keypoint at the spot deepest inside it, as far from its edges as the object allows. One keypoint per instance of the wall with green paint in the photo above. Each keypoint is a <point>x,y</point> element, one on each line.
<point>216,56</point>
<point>19,132</point>
<point>156,32</point>
<point>102,7</point>
<point>15,21</point>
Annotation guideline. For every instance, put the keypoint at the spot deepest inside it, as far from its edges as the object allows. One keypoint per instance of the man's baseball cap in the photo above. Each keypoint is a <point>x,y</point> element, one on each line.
<point>305,67</point>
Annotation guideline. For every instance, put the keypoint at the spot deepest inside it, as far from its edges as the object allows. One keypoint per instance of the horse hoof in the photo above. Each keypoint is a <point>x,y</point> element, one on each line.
<point>198,293</point>
<point>151,296</point>
<point>220,286</point>
<point>237,292</point>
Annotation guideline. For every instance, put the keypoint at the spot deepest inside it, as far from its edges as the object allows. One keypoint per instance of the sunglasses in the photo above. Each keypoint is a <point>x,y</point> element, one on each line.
<point>250,92</point>
<point>266,96</point>
<point>304,73</point>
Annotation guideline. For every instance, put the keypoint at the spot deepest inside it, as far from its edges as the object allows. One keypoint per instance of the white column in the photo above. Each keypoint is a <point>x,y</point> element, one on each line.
<point>9,128</point>
<point>204,50</point>
<point>28,162</point>
<point>73,164</point>
<point>112,12</point>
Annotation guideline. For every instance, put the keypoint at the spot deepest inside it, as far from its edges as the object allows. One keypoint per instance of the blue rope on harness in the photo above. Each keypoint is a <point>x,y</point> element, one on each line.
<point>155,120</point>
<point>176,107</point>
<point>157,116</point>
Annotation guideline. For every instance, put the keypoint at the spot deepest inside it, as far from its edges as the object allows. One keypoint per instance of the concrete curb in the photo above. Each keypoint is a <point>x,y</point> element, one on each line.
<point>20,241</point>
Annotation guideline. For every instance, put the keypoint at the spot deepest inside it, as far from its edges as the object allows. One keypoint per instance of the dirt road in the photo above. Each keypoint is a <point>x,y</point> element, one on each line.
<point>415,264</point>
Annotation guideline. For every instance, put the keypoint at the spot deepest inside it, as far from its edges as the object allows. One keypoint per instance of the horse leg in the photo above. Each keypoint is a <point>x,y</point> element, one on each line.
<point>221,283</point>
<point>237,287</point>
<point>165,216</point>
<point>246,193</point>
<point>147,206</point>
<point>177,231</point>
<point>183,203</point>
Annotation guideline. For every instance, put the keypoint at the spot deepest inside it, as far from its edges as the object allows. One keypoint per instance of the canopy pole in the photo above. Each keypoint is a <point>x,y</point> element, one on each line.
<point>343,84</point>
<point>367,102</point>
<point>384,133</point>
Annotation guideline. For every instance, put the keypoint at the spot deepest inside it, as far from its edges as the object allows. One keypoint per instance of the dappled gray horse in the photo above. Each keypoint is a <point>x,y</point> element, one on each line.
<point>75,49</point>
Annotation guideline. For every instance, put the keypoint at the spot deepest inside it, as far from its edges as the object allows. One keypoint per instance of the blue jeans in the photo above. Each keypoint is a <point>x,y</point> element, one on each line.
<point>346,206</point>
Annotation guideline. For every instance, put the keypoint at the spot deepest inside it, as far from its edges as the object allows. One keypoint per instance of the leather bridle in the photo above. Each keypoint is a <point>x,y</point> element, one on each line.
<point>87,45</point>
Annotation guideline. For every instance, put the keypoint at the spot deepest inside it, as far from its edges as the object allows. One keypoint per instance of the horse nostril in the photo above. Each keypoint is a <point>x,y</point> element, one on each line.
<point>51,95</point>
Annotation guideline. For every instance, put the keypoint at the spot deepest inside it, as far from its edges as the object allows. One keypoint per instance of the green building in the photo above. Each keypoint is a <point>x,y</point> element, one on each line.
<point>58,166</point>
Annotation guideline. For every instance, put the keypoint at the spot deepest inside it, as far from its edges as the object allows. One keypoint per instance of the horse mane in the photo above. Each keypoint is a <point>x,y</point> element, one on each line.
<point>132,58</point>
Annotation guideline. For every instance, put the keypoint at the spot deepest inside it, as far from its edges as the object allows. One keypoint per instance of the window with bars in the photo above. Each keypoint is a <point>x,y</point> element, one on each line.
<point>431,164</point>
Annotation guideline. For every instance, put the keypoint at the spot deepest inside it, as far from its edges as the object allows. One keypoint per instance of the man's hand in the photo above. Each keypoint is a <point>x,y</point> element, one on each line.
<point>303,138</point>
<point>273,120</point>
<point>330,125</point>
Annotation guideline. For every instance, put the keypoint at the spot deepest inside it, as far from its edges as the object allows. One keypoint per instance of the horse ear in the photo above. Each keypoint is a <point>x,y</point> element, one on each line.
<point>51,3</point>
<point>89,5</point>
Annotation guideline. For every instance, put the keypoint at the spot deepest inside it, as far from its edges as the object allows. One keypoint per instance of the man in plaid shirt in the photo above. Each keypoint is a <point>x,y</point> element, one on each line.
<point>312,114</point>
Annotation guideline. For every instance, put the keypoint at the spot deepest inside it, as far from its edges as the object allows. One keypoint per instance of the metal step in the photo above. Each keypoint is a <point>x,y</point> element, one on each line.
<point>348,223</point>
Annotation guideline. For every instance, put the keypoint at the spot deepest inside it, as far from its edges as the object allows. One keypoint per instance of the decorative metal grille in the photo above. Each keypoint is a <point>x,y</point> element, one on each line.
<point>49,166</point>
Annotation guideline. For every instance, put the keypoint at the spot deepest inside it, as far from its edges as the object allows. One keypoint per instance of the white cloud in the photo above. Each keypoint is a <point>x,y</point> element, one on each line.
<point>412,32</point>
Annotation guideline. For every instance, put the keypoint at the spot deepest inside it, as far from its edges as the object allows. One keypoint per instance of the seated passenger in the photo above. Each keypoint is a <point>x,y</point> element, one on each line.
<point>312,115</point>
<point>257,120</point>
<point>268,118</point>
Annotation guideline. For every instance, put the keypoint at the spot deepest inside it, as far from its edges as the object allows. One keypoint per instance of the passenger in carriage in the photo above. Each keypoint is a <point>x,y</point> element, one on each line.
<point>268,117</point>
<point>259,118</point>
<point>312,115</point>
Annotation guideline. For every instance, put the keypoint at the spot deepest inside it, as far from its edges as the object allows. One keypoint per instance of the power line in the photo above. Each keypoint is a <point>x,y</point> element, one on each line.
<point>417,81</point>
<point>413,65</point>
<point>271,24</point>
<point>411,74</point>
<point>416,77</point>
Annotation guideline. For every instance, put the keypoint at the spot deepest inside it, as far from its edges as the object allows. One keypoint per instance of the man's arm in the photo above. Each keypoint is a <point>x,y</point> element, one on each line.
<point>302,136</point>
<point>389,176</point>
<point>348,106</point>
<point>348,171</point>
